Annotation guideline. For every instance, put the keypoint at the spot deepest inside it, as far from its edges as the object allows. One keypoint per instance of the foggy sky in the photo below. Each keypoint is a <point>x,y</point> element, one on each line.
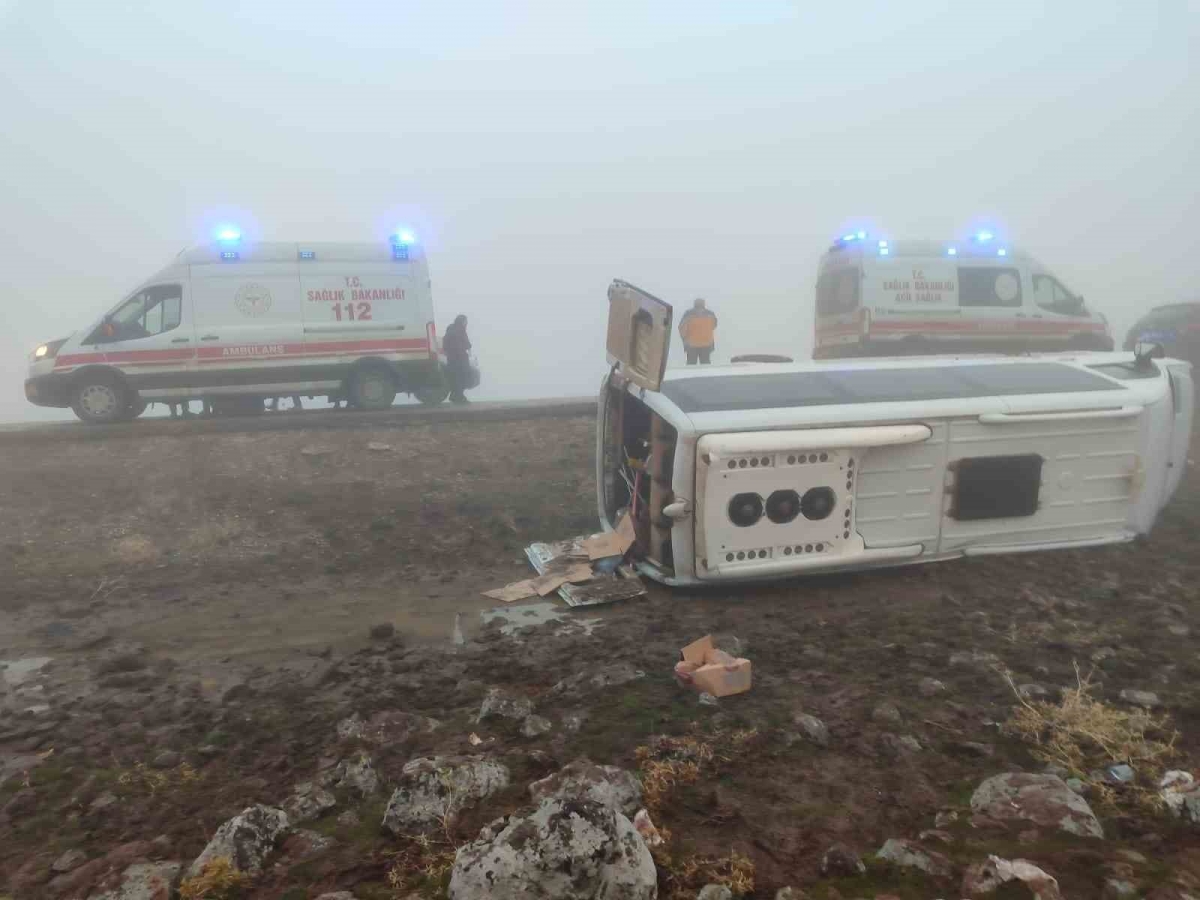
<point>541,149</point>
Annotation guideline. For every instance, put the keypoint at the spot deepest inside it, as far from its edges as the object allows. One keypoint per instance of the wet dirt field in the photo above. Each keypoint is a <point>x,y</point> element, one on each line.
<point>185,620</point>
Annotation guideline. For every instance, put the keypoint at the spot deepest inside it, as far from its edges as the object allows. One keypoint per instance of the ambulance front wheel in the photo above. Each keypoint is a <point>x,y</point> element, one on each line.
<point>100,400</point>
<point>372,388</point>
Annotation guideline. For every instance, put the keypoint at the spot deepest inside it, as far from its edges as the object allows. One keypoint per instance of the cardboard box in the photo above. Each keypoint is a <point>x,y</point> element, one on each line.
<point>708,670</point>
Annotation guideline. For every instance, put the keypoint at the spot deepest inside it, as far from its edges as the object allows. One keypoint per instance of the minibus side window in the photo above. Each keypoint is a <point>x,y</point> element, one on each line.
<point>989,286</point>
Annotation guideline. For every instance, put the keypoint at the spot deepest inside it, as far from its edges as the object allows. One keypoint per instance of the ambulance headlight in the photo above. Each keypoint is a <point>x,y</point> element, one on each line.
<point>48,351</point>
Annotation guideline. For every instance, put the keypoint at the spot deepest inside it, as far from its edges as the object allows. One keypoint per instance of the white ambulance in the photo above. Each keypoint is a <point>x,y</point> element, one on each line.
<point>234,322</point>
<point>746,472</point>
<point>901,298</point>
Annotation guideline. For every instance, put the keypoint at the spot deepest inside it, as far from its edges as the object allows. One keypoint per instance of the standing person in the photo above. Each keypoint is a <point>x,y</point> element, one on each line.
<point>696,327</point>
<point>457,346</point>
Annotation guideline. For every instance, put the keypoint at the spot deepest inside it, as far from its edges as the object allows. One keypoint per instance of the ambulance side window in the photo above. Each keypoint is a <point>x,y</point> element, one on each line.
<point>1052,296</point>
<point>989,286</point>
<point>149,312</point>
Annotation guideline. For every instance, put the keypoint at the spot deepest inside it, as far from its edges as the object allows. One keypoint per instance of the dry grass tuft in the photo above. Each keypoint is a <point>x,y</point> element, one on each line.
<point>682,879</point>
<point>1083,734</point>
<point>669,762</point>
<point>218,880</point>
<point>423,862</point>
<point>142,778</point>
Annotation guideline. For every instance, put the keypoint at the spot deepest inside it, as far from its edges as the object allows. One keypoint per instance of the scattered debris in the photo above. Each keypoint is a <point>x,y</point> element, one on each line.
<point>612,578</point>
<point>646,828</point>
<point>708,670</point>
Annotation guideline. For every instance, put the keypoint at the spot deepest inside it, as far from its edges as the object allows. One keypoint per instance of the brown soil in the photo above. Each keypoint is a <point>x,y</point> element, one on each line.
<point>216,591</point>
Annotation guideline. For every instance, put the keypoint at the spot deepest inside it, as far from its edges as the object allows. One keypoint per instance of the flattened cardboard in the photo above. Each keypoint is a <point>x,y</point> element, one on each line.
<point>611,543</point>
<point>706,669</point>
<point>518,590</point>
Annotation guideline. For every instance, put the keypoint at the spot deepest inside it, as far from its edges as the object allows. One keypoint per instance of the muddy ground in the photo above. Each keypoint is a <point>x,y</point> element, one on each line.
<point>193,615</point>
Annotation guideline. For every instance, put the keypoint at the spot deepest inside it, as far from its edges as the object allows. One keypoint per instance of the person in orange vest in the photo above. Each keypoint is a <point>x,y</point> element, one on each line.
<point>696,327</point>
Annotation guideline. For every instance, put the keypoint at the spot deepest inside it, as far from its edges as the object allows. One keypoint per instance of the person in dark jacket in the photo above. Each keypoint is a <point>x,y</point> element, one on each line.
<point>457,347</point>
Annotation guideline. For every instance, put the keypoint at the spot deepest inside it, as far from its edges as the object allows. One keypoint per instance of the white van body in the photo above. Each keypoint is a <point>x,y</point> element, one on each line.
<point>352,321</point>
<point>767,471</point>
<point>886,298</point>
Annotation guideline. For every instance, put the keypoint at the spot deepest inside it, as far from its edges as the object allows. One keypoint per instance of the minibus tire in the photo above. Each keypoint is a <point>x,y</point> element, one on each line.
<point>372,387</point>
<point>100,400</point>
<point>136,407</point>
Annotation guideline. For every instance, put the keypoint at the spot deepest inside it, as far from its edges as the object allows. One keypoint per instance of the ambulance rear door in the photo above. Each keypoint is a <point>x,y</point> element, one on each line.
<point>361,300</point>
<point>914,301</point>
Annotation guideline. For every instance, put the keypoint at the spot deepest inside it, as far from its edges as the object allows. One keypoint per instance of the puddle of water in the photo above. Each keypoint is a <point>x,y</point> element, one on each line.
<point>18,671</point>
<point>513,618</point>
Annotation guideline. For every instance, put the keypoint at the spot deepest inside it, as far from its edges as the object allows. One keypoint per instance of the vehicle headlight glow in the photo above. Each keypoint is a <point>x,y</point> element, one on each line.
<point>40,352</point>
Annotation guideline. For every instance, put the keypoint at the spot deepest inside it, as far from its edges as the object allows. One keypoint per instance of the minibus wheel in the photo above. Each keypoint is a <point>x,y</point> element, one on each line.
<point>100,400</point>
<point>372,387</point>
<point>432,394</point>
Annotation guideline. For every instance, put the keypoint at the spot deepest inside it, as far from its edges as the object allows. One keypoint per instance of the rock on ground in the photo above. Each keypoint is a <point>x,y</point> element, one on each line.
<point>1044,800</point>
<point>391,726</point>
<point>72,859</point>
<point>354,773</point>
<point>500,705</point>
<point>565,848</point>
<point>839,861</point>
<point>812,728</point>
<point>1181,793</point>
<point>247,839</point>
<point>987,876</point>
<point>533,726</point>
<point>584,780</point>
<point>1146,699</point>
<point>145,881</point>
<point>714,892</point>
<point>597,679</point>
<point>307,802</point>
<point>930,687</point>
<point>337,895</point>
<point>908,855</point>
<point>435,789</point>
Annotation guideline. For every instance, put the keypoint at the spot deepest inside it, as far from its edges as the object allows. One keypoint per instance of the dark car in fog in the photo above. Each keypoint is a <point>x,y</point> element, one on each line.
<point>1176,326</point>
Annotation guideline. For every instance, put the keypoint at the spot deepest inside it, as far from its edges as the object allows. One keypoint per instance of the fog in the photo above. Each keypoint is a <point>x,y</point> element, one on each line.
<point>541,149</point>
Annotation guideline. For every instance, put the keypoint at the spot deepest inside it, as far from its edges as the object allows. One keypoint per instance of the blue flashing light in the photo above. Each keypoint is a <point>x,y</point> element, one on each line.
<point>952,251</point>
<point>983,236</point>
<point>307,254</point>
<point>862,235</point>
<point>229,254</point>
<point>227,234</point>
<point>1002,252</point>
<point>883,245</point>
<point>884,251</point>
<point>404,237</point>
<point>847,238</point>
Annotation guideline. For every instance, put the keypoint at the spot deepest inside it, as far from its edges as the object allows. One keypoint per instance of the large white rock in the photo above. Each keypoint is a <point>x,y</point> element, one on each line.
<point>247,839</point>
<point>435,790</point>
<point>145,881</point>
<point>565,848</point>
<point>1044,800</point>
<point>584,780</point>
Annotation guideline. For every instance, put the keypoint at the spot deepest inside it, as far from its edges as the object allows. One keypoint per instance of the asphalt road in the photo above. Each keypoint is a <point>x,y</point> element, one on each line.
<point>309,420</point>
